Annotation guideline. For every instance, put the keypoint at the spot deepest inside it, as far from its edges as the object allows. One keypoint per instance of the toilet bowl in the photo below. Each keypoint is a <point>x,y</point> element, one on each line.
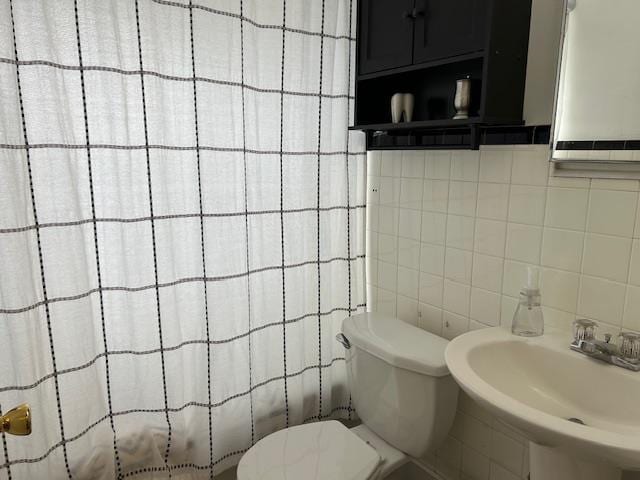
<point>403,393</point>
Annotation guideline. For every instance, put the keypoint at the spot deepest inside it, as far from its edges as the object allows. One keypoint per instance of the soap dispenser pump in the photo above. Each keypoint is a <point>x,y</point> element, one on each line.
<point>528,320</point>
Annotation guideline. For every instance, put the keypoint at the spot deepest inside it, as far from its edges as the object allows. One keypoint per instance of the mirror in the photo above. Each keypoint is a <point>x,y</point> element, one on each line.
<point>597,113</point>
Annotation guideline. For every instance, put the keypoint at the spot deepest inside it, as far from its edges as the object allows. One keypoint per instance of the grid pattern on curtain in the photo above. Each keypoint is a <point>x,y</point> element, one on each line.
<point>181,229</point>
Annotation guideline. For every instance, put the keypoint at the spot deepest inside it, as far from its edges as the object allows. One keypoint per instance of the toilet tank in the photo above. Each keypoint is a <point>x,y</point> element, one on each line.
<point>400,384</point>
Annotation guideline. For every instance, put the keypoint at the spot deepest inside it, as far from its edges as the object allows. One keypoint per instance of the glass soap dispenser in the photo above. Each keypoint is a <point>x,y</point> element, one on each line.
<point>528,320</point>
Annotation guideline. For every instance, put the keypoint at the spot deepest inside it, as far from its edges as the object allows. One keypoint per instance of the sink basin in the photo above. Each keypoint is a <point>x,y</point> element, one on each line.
<point>538,384</point>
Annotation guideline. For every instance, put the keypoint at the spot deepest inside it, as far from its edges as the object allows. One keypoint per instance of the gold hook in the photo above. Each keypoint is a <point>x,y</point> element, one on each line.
<point>17,421</point>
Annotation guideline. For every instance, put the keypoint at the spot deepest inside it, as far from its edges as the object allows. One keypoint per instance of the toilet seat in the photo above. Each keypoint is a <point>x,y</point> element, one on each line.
<point>317,451</point>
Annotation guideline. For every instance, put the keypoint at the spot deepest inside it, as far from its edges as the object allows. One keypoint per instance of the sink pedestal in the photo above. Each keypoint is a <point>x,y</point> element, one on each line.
<point>548,463</point>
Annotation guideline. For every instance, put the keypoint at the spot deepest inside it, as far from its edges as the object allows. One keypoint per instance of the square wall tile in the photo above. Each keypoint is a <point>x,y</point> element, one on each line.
<point>408,282</point>
<point>411,193</point>
<point>456,297</point>
<point>495,165</point>
<point>386,302</point>
<point>388,248</point>
<point>431,288</point>
<point>559,289</point>
<point>612,212</point>
<point>567,208</point>
<point>407,310</point>
<point>435,196</point>
<point>523,243</point>
<point>476,434</point>
<point>460,231</point>
<point>474,465</point>
<point>530,166</point>
<point>631,319</point>
<point>389,191</point>
<point>485,307</point>
<point>507,451</point>
<point>464,165</point>
<point>373,190</point>
<point>438,165</point>
<point>493,200</point>
<point>487,272</point>
<point>391,164</point>
<point>458,265</point>
<point>434,228</point>
<point>558,318</point>
<point>408,252</point>
<point>409,223</point>
<point>527,204</point>
<point>450,452</point>
<point>490,237</point>
<point>607,257</point>
<point>387,276</point>
<point>432,259</point>
<point>462,198</point>
<point>430,318</point>
<point>615,184</point>
<point>601,300</point>
<point>413,162</point>
<point>388,220</point>
<point>514,278</point>
<point>454,325</point>
<point>562,249</point>
<point>634,265</point>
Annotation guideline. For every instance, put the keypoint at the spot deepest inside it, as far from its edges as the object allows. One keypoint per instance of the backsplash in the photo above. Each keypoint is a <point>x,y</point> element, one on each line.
<point>449,237</point>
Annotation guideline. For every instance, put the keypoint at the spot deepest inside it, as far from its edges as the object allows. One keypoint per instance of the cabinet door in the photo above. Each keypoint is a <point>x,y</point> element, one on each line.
<point>446,28</point>
<point>385,37</point>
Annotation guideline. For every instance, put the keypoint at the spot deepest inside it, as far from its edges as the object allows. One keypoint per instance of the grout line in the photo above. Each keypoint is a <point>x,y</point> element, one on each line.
<point>473,248</point>
<point>506,237</point>
<point>422,179</point>
<point>584,243</point>
<point>446,232</point>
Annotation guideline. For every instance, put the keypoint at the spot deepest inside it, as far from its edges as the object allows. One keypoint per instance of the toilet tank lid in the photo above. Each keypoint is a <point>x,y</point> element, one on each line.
<point>397,343</point>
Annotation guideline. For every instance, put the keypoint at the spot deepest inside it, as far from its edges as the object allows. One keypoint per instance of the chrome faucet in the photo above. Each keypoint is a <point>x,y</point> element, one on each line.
<point>625,354</point>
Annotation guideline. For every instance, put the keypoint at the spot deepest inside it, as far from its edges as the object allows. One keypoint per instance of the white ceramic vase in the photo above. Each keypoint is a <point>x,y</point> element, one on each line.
<point>397,105</point>
<point>408,100</point>
<point>402,105</point>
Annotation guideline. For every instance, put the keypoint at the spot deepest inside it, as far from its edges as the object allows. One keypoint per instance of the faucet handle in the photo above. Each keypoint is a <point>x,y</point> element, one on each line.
<point>629,345</point>
<point>584,329</point>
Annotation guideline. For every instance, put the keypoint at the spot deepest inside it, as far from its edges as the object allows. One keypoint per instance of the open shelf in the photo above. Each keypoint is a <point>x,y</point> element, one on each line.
<point>433,86</point>
<point>420,124</point>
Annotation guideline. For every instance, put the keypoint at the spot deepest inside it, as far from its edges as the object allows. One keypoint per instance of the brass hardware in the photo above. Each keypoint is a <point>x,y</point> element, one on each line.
<point>17,421</point>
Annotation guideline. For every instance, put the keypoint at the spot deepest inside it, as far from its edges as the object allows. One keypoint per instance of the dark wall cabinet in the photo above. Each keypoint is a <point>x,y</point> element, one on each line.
<point>446,28</point>
<point>423,46</point>
<point>386,34</point>
<point>398,33</point>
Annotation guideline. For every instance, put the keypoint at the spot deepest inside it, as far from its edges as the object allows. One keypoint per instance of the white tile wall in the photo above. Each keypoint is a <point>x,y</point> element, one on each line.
<point>450,235</point>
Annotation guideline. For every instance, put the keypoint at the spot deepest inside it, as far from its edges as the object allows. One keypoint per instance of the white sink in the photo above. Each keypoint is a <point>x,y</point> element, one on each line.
<point>537,384</point>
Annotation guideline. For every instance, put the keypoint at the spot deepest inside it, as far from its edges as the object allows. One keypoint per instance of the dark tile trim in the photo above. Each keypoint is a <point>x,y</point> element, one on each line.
<point>598,145</point>
<point>470,137</point>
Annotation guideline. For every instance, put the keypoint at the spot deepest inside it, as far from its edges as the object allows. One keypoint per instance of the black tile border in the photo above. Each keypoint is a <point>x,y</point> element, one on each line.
<point>468,137</point>
<point>598,145</point>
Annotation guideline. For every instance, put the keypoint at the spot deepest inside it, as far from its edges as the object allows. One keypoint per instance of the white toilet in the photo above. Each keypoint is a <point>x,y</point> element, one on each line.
<point>403,393</point>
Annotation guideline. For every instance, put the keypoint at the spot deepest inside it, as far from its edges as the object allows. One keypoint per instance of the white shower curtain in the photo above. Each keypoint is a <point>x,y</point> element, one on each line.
<point>181,229</point>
